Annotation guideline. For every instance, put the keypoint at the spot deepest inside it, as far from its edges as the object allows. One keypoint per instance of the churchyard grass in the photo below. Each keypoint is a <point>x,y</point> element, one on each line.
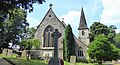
<point>80,63</point>
<point>19,61</point>
<point>13,56</point>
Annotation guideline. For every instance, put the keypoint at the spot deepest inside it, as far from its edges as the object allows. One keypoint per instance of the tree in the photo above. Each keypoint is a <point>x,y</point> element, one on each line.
<point>101,50</point>
<point>98,28</point>
<point>27,37</point>
<point>25,4</point>
<point>69,43</point>
<point>6,5</point>
<point>112,33</point>
<point>27,44</point>
<point>13,27</point>
<point>117,40</point>
<point>29,33</point>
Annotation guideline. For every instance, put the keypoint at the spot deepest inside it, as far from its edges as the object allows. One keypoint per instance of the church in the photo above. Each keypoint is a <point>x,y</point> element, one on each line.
<point>48,25</point>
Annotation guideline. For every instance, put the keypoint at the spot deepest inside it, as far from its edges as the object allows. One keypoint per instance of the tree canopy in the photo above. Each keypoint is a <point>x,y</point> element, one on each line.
<point>13,28</point>
<point>117,40</point>
<point>6,5</point>
<point>28,39</point>
<point>69,43</point>
<point>25,4</point>
<point>29,43</point>
<point>102,50</point>
<point>98,28</point>
<point>13,21</point>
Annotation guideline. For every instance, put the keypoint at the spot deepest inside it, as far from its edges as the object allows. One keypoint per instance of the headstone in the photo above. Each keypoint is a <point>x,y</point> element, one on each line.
<point>34,54</point>
<point>54,61</point>
<point>4,52</point>
<point>72,60</point>
<point>46,57</point>
<point>10,53</point>
<point>56,35</point>
<point>24,54</point>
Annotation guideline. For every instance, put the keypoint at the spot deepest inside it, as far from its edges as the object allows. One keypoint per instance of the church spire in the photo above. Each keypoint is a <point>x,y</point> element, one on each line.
<point>83,24</point>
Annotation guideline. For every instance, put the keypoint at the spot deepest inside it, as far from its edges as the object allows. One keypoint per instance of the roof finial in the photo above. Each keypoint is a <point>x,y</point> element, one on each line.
<point>62,19</point>
<point>50,5</point>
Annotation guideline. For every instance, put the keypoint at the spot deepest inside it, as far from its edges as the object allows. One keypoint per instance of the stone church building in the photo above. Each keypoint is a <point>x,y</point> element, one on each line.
<point>48,25</point>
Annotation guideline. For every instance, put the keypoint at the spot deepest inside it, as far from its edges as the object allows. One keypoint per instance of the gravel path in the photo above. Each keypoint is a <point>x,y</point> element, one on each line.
<point>4,62</point>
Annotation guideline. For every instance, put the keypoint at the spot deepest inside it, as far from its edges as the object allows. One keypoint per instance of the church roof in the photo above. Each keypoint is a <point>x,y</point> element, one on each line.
<point>50,13</point>
<point>83,24</point>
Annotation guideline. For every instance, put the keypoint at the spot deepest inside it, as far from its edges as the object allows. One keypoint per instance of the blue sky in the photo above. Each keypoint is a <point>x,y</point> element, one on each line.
<point>104,11</point>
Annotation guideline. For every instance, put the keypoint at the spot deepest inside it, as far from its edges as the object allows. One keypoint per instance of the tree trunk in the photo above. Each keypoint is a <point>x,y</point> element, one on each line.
<point>100,63</point>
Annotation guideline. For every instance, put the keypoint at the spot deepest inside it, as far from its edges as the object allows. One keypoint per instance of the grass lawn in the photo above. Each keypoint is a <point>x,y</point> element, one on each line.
<point>42,62</point>
<point>27,62</point>
<point>67,63</point>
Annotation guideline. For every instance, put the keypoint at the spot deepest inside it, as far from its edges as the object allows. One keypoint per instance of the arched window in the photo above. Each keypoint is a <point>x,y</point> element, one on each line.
<point>80,52</point>
<point>48,39</point>
<point>83,33</point>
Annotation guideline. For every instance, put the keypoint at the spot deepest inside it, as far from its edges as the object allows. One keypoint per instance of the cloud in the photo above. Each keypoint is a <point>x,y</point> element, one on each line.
<point>32,21</point>
<point>111,13</point>
<point>72,18</point>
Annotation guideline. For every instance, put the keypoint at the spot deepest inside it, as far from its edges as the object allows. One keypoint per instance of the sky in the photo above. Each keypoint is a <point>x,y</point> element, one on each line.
<point>104,11</point>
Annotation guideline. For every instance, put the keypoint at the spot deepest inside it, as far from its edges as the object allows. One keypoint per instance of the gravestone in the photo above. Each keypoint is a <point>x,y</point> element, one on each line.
<point>10,53</point>
<point>46,57</point>
<point>4,52</point>
<point>34,54</point>
<point>55,60</point>
<point>24,54</point>
<point>72,60</point>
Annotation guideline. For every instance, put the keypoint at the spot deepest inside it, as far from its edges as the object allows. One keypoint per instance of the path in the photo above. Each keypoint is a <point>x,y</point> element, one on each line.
<point>4,62</point>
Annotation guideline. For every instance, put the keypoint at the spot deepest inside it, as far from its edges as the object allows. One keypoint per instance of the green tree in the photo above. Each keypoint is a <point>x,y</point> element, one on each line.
<point>6,5</point>
<point>98,28</point>
<point>112,33</point>
<point>13,27</point>
<point>25,4</point>
<point>69,43</point>
<point>117,40</point>
<point>29,43</point>
<point>101,49</point>
<point>29,33</point>
<point>28,36</point>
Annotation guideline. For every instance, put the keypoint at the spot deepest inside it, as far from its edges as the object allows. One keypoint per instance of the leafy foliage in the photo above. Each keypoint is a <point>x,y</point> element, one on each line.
<point>117,40</point>
<point>14,26</point>
<point>98,28</point>
<point>29,33</point>
<point>69,43</point>
<point>25,4</point>
<point>6,5</point>
<point>28,39</point>
<point>101,49</point>
<point>28,43</point>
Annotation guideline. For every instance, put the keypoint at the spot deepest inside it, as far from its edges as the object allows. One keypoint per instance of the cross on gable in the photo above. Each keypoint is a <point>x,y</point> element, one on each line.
<point>50,5</point>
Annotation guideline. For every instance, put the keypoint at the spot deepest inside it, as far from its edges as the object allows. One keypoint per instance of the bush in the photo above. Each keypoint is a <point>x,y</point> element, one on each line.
<point>82,60</point>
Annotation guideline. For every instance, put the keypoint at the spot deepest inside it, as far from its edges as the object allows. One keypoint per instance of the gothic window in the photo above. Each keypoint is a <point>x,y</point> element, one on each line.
<point>48,39</point>
<point>80,52</point>
<point>83,33</point>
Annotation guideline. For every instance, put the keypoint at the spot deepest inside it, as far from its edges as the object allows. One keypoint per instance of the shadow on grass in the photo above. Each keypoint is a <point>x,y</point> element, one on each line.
<point>18,61</point>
